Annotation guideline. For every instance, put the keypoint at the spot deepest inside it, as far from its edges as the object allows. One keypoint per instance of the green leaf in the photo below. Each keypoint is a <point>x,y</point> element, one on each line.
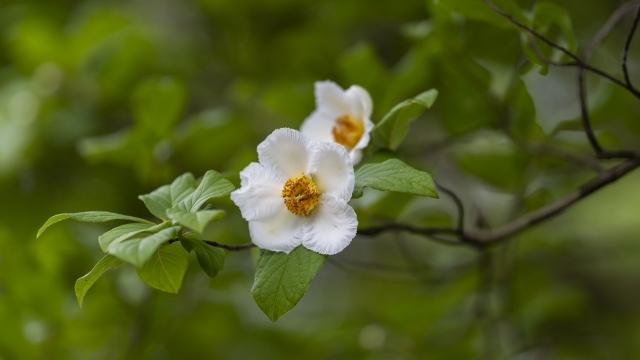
<point>158,103</point>
<point>158,201</point>
<point>282,279</point>
<point>127,231</point>
<point>480,11</point>
<point>138,252</point>
<point>211,259</point>
<point>182,187</point>
<point>165,197</point>
<point>494,159</point>
<point>195,221</point>
<point>546,14</point>
<point>391,130</point>
<point>84,283</point>
<point>108,237</point>
<point>394,175</point>
<point>213,185</point>
<point>89,216</point>
<point>165,269</point>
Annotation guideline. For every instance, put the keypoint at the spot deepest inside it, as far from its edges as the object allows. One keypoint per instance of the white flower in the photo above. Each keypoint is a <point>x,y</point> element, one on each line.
<point>297,195</point>
<point>341,116</point>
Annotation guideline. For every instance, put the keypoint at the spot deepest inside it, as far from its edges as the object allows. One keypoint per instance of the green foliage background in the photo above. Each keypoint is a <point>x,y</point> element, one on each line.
<point>101,101</point>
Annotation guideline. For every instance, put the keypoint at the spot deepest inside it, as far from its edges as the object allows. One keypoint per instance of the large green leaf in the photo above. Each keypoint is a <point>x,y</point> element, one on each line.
<point>107,238</point>
<point>165,269</point>
<point>84,283</point>
<point>394,175</point>
<point>211,259</point>
<point>213,185</point>
<point>138,252</point>
<point>392,129</point>
<point>282,279</point>
<point>165,197</point>
<point>196,221</point>
<point>89,216</point>
<point>127,231</point>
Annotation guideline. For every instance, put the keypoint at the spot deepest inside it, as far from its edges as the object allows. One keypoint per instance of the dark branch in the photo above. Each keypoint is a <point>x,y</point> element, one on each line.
<point>482,238</point>
<point>532,31</point>
<point>582,65</point>
<point>458,203</point>
<point>627,45</point>
<point>229,246</point>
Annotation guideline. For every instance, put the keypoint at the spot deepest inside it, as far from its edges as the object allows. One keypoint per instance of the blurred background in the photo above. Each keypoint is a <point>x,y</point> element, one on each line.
<point>101,101</point>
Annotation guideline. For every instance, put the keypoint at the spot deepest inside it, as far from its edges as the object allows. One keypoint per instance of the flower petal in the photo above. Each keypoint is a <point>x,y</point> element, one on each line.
<point>287,150</point>
<point>281,231</point>
<point>332,170</point>
<point>318,126</point>
<point>359,101</point>
<point>332,227</point>
<point>260,193</point>
<point>331,98</point>
<point>356,152</point>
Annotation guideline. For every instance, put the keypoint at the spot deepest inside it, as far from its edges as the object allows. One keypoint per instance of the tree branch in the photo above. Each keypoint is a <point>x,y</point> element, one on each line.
<point>229,246</point>
<point>582,65</point>
<point>481,238</point>
<point>458,203</point>
<point>627,45</point>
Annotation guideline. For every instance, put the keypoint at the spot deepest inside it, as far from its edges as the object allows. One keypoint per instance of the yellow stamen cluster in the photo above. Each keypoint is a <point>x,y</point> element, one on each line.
<point>300,195</point>
<point>347,131</point>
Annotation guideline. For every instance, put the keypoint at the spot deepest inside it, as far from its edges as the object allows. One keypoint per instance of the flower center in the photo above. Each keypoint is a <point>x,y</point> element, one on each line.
<point>300,195</point>
<point>347,131</point>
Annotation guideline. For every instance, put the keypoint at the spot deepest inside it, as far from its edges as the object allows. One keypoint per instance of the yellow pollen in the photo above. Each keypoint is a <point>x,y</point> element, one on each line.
<point>300,195</point>
<point>347,131</point>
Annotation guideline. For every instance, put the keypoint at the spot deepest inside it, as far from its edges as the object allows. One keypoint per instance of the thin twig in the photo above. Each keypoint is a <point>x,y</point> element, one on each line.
<point>627,45</point>
<point>581,62</point>
<point>458,203</point>
<point>229,246</point>
<point>532,31</point>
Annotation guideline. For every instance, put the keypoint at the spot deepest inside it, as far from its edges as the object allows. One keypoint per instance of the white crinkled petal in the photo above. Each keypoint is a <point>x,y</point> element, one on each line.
<point>360,102</point>
<point>281,231</point>
<point>332,170</point>
<point>260,193</point>
<point>331,98</point>
<point>332,227</point>
<point>287,150</point>
<point>319,125</point>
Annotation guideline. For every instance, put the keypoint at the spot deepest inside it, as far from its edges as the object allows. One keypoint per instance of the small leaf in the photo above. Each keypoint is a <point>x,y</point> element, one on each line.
<point>282,279</point>
<point>166,268</point>
<point>158,201</point>
<point>211,259</point>
<point>195,221</point>
<point>213,185</point>
<point>391,130</point>
<point>127,231</point>
<point>84,283</point>
<point>165,197</point>
<point>89,216</point>
<point>138,252</point>
<point>394,175</point>
<point>182,187</point>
